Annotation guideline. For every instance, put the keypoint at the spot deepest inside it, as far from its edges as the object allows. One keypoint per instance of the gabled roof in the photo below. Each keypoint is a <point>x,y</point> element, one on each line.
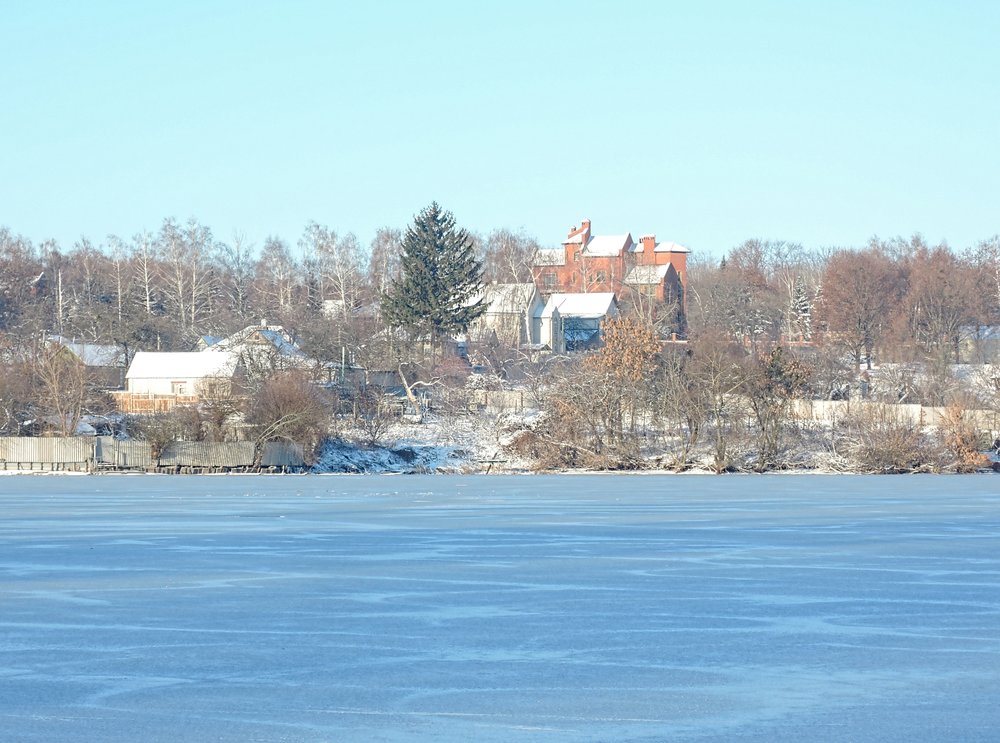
<point>256,335</point>
<point>645,275</point>
<point>507,298</point>
<point>608,245</point>
<point>182,365</point>
<point>587,306</point>
<point>91,354</point>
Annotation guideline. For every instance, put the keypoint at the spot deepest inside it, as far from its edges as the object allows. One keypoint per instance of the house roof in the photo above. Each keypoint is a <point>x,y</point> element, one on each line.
<point>506,298</point>
<point>273,335</point>
<point>609,245</point>
<point>644,275</point>
<point>662,247</point>
<point>91,354</point>
<point>670,247</point>
<point>182,365</point>
<point>588,306</point>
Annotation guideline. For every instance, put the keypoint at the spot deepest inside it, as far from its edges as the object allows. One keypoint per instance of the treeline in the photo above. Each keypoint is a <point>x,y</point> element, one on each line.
<point>768,324</point>
<point>713,402</point>
<point>772,324</point>
<point>163,290</point>
<point>897,300</point>
<point>892,300</point>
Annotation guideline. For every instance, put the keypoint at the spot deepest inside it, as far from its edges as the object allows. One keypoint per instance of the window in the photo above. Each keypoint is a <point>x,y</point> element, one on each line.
<point>601,277</point>
<point>549,280</point>
<point>178,388</point>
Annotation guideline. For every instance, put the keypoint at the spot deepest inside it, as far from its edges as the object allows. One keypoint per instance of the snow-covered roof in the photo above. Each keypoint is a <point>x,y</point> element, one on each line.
<point>273,335</point>
<point>591,305</point>
<point>644,275</point>
<point>662,247</point>
<point>91,354</point>
<point>550,257</point>
<point>506,298</point>
<point>670,247</point>
<point>182,365</point>
<point>608,244</point>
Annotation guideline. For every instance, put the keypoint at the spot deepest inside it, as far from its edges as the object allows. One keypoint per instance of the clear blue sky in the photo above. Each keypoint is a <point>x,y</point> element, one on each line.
<point>704,122</point>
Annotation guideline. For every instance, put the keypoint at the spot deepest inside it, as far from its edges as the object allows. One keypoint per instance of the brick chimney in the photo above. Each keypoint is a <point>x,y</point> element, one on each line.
<point>583,229</point>
<point>648,248</point>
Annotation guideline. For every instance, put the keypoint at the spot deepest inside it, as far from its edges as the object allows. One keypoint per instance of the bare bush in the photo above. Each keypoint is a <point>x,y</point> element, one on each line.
<point>289,407</point>
<point>883,439</point>
<point>373,415</point>
<point>961,440</point>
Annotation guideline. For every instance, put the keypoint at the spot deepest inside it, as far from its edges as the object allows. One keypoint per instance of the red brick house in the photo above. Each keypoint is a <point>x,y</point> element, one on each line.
<point>613,263</point>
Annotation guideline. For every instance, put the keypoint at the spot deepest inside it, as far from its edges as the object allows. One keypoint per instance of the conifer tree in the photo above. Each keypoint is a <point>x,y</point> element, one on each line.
<point>440,279</point>
<point>802,309</point>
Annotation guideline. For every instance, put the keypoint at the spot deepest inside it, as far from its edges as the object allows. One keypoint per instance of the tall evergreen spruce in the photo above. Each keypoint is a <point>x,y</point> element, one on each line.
<point>441,276</point>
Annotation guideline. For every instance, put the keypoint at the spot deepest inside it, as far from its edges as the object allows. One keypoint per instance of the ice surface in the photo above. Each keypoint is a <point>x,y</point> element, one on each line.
<point>545,608</point>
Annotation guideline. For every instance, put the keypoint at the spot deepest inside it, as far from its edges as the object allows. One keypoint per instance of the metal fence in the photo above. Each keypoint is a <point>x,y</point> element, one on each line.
<point>109,454</point>
<point>204,455</point>
<point>282,455</point>
<point>23,452</point>
<point>112,453</point>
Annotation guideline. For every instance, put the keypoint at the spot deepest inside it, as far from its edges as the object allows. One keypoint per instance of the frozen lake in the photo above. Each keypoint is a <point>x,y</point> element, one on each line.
<point>579,608</point>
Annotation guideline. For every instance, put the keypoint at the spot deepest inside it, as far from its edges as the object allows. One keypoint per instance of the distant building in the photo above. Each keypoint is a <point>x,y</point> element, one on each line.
<point>158,381</point>
<point>572,321</point>
<point>979,344</point>
<point>508,316</point>
<point>104,363</point>
<point>613,263</point>
<point>264,350</point>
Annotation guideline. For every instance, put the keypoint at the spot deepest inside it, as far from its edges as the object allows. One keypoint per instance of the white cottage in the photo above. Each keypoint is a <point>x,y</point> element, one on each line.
<point>157,381</point>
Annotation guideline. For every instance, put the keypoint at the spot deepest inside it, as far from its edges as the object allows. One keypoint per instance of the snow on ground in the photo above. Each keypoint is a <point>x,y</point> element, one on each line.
<point>453,444</point>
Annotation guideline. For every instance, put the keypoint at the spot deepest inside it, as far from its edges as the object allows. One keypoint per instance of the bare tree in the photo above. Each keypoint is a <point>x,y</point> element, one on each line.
<point>508,256</point>
<point>188,278</point>
<point>289,407</point>
<point>940,299</point>
<point>383,263</point>
<point>276,273</point>
<point>372,415</point>
<point>145,270</point>
<point>860,289</point>
<point>770,383</point>
<point>716,368</point>
<point>63,386</point>
<point>236,259</point>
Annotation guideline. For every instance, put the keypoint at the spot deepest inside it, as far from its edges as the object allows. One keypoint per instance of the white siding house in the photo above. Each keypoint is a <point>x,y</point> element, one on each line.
<point>187,374</point>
